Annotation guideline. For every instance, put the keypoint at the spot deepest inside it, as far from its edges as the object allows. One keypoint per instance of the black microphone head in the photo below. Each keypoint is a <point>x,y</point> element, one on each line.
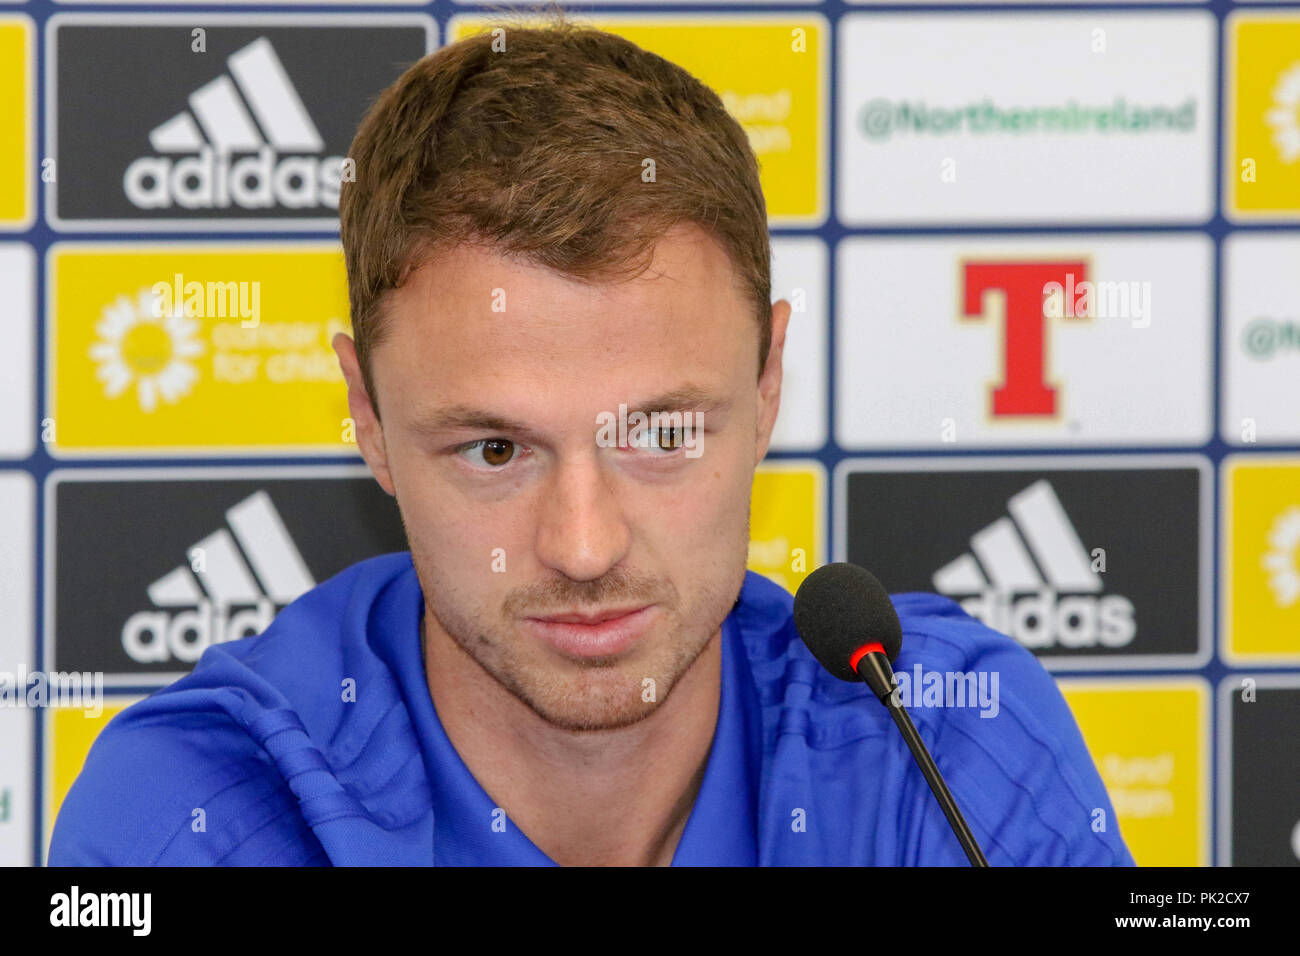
<point>841,607</point>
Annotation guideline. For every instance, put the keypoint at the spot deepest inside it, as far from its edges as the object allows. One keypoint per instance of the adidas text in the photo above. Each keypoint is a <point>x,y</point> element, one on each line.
<point>213,180</point>
<point>1046,619</point>
<point>155,637</point>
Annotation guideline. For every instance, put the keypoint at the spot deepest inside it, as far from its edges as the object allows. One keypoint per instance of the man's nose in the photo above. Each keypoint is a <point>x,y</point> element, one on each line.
<point>581,531</point>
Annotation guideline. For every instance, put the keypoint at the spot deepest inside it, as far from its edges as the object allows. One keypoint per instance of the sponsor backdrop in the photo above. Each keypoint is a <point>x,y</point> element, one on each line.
<point>1044,357</point>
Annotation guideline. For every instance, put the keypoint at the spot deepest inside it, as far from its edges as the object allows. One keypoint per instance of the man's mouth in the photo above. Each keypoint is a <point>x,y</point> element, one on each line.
<point>588,617</point>
<point>585,634</point>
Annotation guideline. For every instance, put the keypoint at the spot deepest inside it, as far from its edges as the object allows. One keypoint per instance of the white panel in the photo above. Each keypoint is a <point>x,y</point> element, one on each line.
<point>942,118</point>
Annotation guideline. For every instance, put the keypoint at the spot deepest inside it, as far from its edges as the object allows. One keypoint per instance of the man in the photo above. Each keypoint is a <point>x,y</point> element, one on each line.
<point>551,231</point>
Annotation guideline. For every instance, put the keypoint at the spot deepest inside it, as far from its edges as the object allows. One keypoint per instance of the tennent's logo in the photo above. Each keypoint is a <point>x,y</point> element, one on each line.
<point>1031,577</point>
<point>246,141</point>
<point>228,589</point>
<point>1023,389</point>
<point>1034,293</point>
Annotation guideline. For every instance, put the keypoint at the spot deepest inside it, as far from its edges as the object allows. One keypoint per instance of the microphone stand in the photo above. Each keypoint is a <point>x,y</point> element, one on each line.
<point>873,667</point>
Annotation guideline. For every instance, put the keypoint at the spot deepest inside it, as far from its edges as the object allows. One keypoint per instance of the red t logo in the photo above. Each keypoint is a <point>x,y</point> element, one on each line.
<point>1022,391</point>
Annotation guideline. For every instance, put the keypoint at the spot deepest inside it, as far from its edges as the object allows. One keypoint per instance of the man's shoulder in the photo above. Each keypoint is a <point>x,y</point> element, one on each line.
<point>203,770</point>
<point>937,632</point>
<point>329,623</point>
<point>176,780</point>
<point>990,713</point>
<point>315,658</point>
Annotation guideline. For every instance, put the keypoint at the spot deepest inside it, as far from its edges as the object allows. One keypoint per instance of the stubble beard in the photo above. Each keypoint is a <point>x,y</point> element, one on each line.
<point>591,695</point>
<point>603,693</point>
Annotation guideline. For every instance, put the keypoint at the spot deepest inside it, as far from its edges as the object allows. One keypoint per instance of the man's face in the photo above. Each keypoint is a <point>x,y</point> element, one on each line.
<point>493,379</point>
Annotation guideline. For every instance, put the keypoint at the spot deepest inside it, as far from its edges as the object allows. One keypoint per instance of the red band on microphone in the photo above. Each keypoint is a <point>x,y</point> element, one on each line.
<point>862,652</point>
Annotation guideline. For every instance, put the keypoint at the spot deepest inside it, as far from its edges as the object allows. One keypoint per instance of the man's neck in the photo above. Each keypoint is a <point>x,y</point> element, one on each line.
<point>610,797</point>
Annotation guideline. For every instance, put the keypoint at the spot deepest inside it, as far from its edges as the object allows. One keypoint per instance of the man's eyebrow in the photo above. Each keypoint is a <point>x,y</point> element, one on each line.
<point>468,418</point>
<point>686,398</point>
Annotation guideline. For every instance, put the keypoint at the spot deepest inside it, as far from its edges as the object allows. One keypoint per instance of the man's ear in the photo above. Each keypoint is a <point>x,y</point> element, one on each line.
<point>370,433</point>
<point>769,383</point>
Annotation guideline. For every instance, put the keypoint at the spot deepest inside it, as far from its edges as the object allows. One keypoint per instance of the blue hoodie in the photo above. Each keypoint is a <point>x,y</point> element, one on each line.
<point>259,757</point>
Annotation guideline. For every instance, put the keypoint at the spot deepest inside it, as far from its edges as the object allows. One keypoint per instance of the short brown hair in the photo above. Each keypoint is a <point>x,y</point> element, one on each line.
<point>537,151</point>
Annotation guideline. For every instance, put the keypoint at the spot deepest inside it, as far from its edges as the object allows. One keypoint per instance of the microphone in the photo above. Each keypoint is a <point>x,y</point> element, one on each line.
<point>844,616</point>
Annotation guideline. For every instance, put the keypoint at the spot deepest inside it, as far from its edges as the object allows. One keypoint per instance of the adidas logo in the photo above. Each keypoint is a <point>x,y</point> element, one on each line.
<point>1032,578</point>
<point>255,568</point>
<point>258,111</point>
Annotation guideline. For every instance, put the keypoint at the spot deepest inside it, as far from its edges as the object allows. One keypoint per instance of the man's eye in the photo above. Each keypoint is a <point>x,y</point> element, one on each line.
<point>495,452</point>
<point>662,439</point>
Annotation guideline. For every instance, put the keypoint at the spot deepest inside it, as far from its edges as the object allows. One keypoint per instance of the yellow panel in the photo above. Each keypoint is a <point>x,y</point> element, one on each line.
<point>785,524</point>
<point>1262,114</point>
<point>1150,741</point>
<point>17,173</point>
<point>247,366</point>
<point>1261,561</point>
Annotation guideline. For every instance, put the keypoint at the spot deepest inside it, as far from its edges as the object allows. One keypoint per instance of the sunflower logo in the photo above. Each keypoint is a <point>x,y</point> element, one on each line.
<point>1282,560</point>
<point>1284,117</point>
<point>152,352</point>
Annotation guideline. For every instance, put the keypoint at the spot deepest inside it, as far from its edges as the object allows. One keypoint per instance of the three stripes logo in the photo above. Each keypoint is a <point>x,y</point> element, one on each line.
<point>246,141</point>
<point>229,588</point>
<point>1029,576</point>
